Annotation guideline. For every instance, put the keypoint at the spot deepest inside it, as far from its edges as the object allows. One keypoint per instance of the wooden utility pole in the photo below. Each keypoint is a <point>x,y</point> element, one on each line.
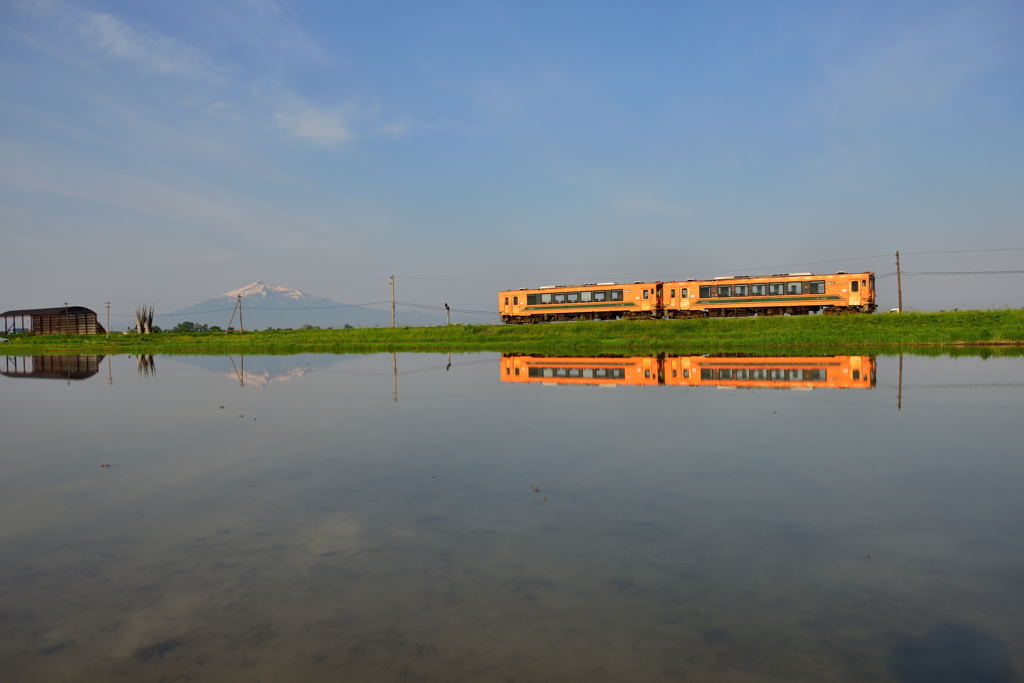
<point>107,305</point>
<point>241,324</point>
<point>392,302</point>
<point>899,283</point>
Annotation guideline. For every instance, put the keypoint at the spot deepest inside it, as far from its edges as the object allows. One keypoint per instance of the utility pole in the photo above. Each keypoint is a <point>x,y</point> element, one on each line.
<point>107,304</point>
<point>448,310</point>
<point>392,302</point>
<point>241,325</point>
<point>67,320</point>
<point>899,282</point>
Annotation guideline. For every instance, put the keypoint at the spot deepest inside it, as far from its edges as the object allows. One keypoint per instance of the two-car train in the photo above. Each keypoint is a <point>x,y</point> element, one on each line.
<point>737,295</point>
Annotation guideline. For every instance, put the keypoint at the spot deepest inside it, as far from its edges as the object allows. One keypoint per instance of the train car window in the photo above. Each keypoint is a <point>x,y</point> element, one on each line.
<point>646,294</point>
<point>588,373</point>
<point>517,372</point>
<point>740,374</point>
<point>758,374</point>
<point>816,287</point>
<point>793,287</point>
<point>531,298</point>
<point>725,373</point>
<point>686,374</point>
<point>853,286</point>
<point>672,293</point>
<point>757,290</point>
<point>585,296</point>
<point>705,291</point>
<point>740,290</point>
<point>616,295</point>
<point>559,298</point>
<point>506,301</point>
<point>600,296</point>
<point>515,301</point>
<point>724,290</point>
<point>600,373</point>
<point>548,372</point>
<point>545,298</point>
<point>707,373</point>
<point>682,293</point>
<point>776,288</point>
<point>572,297</point>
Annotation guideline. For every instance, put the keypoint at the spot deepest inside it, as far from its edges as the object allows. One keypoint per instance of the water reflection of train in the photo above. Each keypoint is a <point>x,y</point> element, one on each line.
<point>747,372</point>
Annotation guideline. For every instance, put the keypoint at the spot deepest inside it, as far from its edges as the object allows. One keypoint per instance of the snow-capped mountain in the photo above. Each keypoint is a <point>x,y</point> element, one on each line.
<point>266,305</point>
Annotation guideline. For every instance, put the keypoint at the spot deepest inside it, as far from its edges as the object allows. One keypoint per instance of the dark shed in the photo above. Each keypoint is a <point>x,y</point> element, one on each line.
<point>57,320</point>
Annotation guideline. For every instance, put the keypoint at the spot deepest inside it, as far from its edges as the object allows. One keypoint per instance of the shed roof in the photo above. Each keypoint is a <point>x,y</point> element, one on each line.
<point>48,311</point>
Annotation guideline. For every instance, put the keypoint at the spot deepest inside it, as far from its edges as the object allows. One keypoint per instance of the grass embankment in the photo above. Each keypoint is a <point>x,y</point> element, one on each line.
<point>971,332</point>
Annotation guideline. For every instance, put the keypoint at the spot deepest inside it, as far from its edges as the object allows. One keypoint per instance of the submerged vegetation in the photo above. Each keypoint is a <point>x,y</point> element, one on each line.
<point>946,332</point>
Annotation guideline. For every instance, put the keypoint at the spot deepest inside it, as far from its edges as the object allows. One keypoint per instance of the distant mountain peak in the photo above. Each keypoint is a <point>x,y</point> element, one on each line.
<point>262,290</point>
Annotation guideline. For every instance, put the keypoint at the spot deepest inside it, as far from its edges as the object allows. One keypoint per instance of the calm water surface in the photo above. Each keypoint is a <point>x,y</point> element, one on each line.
<point>287,519</point>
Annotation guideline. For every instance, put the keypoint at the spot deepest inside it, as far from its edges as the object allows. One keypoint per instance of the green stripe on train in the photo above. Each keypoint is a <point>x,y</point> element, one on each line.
<point>548,307</point>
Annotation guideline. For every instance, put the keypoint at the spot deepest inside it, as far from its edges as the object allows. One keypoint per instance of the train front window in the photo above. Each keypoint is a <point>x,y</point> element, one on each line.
<point>515,301</point>
<point>682,293</point>
<point>506,301</point>
<point>585,296</point>
<point>672,293</point>
<point>757,290</point>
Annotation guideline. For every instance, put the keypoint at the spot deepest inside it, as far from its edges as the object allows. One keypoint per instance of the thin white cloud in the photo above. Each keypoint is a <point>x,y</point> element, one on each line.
<point>919,68</point>
<point>647,204</point>
<point>324,127</point>
<point>160,53</point>
<point>395,129</point>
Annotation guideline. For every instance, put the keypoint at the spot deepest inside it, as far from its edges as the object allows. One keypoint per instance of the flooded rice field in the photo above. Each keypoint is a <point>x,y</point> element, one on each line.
<point>479,518</point>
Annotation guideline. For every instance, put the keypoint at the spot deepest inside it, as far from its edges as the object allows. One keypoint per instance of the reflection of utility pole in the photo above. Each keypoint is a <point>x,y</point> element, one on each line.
<point>449,361</point>
<point>899,283</point>
<point>392,278</point>
<point>110,371</point>
<point>394,377</point>
<point>239,374</point>
<point>899,394</point>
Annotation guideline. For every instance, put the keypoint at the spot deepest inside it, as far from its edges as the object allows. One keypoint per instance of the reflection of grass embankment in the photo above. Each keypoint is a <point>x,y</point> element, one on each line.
<point>999,332</point>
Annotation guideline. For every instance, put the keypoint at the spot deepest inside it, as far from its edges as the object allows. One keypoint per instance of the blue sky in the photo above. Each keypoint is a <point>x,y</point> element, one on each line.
<point>167,152</point>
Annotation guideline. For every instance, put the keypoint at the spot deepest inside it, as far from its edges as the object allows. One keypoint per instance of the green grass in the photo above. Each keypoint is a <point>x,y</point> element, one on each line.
<point>947,332</point>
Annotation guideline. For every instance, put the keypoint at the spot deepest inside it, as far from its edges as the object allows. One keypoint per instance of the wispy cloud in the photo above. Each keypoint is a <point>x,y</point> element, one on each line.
<point>325,127</point>
<point>158,52</point>
<point>919,68</point>
<point>650,205</point>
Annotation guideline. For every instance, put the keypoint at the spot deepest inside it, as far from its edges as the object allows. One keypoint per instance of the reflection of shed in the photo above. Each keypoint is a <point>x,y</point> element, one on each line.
<point>57,320</point>
<point>51,367</point>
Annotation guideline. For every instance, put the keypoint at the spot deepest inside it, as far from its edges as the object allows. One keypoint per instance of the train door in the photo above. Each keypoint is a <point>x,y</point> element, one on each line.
<point>659,300</point>
<point>855,292</point>
<point>506,308</point>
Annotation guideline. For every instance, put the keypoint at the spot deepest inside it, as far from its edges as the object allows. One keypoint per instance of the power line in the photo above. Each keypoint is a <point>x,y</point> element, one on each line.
<point>966,272</point>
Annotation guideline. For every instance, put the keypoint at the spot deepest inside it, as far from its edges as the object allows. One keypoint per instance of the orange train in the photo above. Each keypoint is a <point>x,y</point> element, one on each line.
<point>738,295</point>
<point>770,372</point>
